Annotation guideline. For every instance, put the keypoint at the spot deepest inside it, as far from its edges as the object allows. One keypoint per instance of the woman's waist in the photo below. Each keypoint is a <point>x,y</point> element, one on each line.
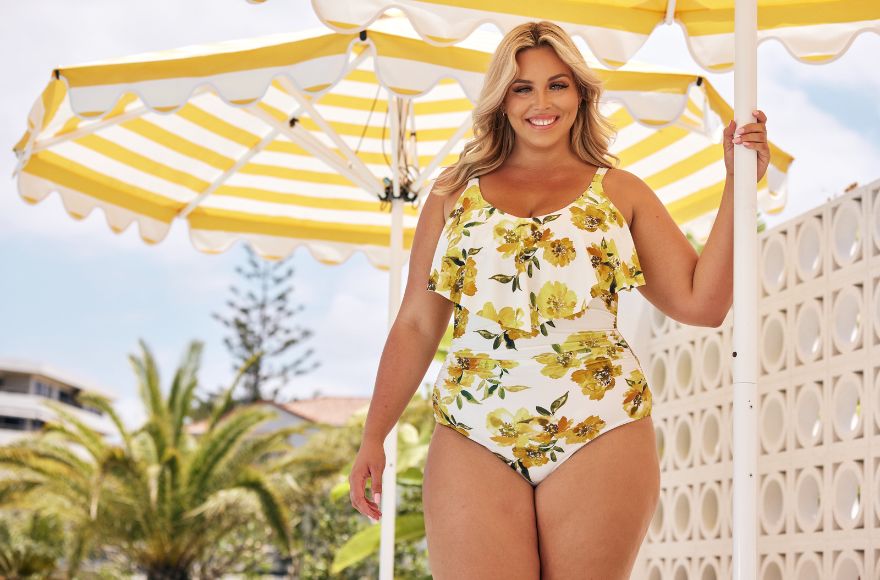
<point>496,344</point>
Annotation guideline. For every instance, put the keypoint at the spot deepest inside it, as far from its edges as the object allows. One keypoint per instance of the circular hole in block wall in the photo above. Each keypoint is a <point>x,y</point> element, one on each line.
<point>660,438</point>
<point>877,405</point>
<point>710,435</point>
<point>772,568</point>
<point>659,374</point>
<point>774,421</point>
<point>659,322</point>
<point>808,415</point>
<point>847,406</point>
<point>847,486</point>
<point>774,263</point>
<point>808,263</point>
<point>709,570</point>
<point>772,497</point>
<point>847,319</point>
<point>655,530</point>
<point>681,514</point>
<point>808,567</point>
<point>876,221</point>
<point>773,342</point>
<point>877,494</point>
<point>877,308</point>
<point>711,361</point>
<point>848,566</point>
<point>680,570</point>
<point>655,570</point>
<point>846,232</point>
<point>683,440</point>
<point>808,331</point>
<point>710,510</point>
<point>808,498</point>
<point>684,370</point>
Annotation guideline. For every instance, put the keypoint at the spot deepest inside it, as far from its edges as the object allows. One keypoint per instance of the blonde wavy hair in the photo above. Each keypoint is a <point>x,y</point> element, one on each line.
<point>493,140</point>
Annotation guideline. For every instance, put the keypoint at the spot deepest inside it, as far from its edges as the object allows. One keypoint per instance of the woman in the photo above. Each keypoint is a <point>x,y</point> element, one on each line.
<point>527,241</point>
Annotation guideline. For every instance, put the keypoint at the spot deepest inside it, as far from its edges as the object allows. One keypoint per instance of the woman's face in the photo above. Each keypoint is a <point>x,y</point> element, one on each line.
<point>543,92</point>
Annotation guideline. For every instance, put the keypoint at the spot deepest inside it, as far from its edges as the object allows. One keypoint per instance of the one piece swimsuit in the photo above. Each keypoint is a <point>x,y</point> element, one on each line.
<point>537,368</point>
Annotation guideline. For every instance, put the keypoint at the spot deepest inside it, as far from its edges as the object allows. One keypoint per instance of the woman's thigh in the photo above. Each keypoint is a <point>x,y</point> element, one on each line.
<point>479,513</point>
<point>594,510</point>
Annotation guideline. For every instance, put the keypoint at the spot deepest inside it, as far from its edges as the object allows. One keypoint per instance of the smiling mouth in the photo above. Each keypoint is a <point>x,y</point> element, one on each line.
<point>542,122</point>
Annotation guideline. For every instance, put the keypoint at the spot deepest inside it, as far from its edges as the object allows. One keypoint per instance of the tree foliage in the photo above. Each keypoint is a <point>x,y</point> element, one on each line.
<point>158,495</point>
<point>258,318</point>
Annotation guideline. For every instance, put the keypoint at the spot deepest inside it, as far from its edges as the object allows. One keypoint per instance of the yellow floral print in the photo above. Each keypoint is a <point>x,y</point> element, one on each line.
<point>596,377</point>
<point>589,428</point>
<point>559,252</point>
<point>637,402</point>
<point>556,300</point>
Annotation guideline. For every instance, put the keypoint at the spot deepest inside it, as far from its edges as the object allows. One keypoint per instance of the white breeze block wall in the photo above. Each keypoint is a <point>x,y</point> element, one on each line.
<point>818,489</point>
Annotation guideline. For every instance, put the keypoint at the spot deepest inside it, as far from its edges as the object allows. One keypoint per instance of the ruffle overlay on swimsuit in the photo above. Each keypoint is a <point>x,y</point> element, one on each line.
<point>523,272</point>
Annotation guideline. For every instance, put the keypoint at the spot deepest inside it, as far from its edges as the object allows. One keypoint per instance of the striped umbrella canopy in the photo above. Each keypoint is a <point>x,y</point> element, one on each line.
<point>814,31</point>
<point>292,139</point>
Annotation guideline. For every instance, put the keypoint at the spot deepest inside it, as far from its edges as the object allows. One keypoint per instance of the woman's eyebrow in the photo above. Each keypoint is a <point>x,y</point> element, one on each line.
<point>550,79</point>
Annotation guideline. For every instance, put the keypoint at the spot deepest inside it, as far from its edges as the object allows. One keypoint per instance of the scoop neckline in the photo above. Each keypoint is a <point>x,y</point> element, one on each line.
<point>560,210</point>
<point>541,216</point>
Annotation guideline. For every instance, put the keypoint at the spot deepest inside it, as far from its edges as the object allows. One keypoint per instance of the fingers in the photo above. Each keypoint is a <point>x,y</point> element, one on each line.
<point>357,493</point>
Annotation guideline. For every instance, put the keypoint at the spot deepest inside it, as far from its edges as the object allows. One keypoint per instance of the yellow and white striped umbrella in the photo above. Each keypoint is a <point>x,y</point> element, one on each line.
<point>814,31</point>
<point>285,140</point>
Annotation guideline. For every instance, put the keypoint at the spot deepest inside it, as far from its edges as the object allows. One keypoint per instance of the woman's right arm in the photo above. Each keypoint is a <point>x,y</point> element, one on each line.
<point>409,349</point>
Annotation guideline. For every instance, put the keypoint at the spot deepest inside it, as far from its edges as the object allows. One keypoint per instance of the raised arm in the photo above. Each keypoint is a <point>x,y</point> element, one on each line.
<point>693,289</point>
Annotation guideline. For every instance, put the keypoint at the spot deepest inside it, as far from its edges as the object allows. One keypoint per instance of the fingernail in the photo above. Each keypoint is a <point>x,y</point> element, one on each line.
<point>378,497</point>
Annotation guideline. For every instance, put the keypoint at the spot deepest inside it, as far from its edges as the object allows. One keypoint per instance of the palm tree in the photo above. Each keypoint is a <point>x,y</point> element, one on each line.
<point>30,544</point>
<point>157,495</point>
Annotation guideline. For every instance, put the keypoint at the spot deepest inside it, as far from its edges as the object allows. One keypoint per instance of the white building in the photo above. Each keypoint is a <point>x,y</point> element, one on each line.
<point>26,386</point>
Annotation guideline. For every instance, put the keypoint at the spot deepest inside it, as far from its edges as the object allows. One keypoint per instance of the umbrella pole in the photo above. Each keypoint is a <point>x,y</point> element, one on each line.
<point>745,299</point>
<point>389,476</point>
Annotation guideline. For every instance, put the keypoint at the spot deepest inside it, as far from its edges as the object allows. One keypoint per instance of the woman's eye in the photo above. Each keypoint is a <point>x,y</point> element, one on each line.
<point>521,89</point>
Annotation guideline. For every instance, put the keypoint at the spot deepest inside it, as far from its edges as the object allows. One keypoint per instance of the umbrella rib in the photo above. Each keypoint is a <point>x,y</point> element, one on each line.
<point>39,145</point>
<point>302,138</point>
<point>356,163</point>
<point>438,158</point>
<point>241,162</point>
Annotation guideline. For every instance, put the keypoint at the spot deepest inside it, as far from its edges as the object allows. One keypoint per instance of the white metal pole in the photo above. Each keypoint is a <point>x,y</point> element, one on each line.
<point>388,505</point>
<point>745,299</point>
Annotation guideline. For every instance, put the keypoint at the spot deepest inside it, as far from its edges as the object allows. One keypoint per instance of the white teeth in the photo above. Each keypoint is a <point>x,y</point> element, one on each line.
<point>542,122</point>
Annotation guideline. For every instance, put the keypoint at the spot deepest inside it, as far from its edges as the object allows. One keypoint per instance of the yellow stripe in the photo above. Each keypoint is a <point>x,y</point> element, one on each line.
<point>306,201</point>
<point>213,63</point>
<point>778,158</point>
<point>380,105</point>
<point>716,16</point>
<point>66,173</point>
<point>368,76</point>
<point>355,130</point>
<point>213,219</point>
<point>415,49</point>
<point>672,83</point>
<point>142,163</point>
<point>218,126</point>
<point>639,16</point>
<point>177,143</point>
<point>701,202</point>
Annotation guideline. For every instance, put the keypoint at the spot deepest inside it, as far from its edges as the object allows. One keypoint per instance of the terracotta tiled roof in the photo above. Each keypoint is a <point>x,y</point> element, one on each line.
<point>331,410</point>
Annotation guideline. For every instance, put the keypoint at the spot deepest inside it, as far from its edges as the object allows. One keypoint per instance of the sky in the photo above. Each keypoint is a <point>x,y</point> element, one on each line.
<point>79,297</point>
